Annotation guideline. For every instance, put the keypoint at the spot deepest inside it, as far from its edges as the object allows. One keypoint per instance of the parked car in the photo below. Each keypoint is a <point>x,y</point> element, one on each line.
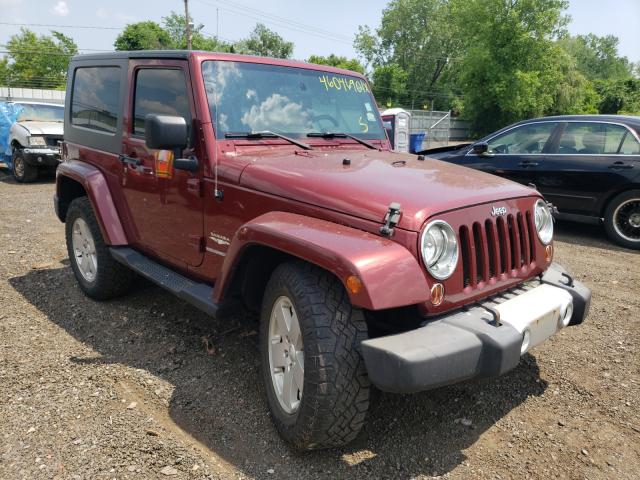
<point>34,139</point>
<point>588,166</point>
<point>228,179</point>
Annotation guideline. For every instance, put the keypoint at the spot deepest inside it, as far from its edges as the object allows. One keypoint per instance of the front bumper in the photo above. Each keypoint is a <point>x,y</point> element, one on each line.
<point>41,157</point>
<point>468,344</point>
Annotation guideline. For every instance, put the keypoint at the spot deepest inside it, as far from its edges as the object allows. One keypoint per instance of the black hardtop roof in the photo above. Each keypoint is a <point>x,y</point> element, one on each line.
<point>125,54</point>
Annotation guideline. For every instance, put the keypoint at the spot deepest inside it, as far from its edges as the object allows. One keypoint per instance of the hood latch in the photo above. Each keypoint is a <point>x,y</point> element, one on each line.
<point>391,219</point>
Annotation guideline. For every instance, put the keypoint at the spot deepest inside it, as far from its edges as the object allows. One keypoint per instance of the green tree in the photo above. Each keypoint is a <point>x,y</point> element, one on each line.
<point>513,67</point>
<point>597,57</point>
<point>174,25</point>
<point>37,61</point>
<point>619,96</point>
<point>266,43</point>
<point>420,38</point>
<point>390,85</point>
<point>143,36</point>
<point>339,62</point>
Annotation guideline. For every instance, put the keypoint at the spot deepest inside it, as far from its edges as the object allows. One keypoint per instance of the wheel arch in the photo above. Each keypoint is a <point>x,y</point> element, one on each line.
<point>612,195</point>
<point>390,275</point>
<point>77,179</point>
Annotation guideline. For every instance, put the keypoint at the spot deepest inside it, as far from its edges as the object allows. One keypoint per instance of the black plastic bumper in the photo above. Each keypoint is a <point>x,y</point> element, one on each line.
<point>457,347</point>
<point>41,159</point>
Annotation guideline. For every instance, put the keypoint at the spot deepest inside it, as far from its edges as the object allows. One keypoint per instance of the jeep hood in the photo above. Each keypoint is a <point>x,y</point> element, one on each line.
<point>372,180</point>
<point>43,128</point>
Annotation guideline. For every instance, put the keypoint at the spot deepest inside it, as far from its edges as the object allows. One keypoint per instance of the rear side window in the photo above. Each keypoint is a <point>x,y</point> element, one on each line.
<point>160,91</point>
<point>95,98</point>
<point>592,138</point>
<point>630,145</point>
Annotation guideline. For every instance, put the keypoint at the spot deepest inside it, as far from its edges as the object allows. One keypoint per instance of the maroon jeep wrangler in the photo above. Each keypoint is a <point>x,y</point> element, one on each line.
<point>227,179</point>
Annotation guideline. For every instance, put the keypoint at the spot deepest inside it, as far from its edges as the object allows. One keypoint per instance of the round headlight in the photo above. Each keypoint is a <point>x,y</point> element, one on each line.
<point>544,222</point>
<point>439,249</point>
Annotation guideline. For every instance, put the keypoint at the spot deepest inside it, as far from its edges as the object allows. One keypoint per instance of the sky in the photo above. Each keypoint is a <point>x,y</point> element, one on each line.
<point>319,27</point>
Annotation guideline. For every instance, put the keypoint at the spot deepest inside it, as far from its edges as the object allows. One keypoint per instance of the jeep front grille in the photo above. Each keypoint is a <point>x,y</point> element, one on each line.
<point>496,248</point>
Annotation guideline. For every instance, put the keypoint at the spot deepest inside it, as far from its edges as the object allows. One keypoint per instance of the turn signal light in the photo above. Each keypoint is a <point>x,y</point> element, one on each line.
<point>548,253</point>
<point>437,294</point>
<point>354,284</point>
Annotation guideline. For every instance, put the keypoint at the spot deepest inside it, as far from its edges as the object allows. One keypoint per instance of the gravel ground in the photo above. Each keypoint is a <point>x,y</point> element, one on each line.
<point>147,387</point>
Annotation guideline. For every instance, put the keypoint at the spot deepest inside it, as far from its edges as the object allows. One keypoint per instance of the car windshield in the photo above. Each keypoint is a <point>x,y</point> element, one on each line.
<point>247,98</point>
<point>41,113</point>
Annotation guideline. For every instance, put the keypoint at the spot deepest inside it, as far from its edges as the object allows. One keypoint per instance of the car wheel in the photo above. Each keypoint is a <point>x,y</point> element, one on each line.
<point>98,274</point>
<point>23,172</point>
<point>315,378</point>
<point>622,219</point>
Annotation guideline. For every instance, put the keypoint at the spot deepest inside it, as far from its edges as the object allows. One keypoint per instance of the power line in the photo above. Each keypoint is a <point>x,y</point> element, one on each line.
<point>51,25</point>
<point>283,23</point>
<point>290,21</point>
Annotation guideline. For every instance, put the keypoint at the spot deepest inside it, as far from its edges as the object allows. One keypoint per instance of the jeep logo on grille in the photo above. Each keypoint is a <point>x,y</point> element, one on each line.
<point>497,211</point>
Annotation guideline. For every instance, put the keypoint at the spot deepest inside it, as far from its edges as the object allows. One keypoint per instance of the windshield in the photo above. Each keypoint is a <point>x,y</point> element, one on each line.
<point>249,97</point>
<point>41,113</point>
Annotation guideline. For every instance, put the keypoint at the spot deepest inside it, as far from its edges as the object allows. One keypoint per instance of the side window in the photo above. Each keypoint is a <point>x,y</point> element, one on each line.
<point>160,91</point>
<point>630,145</point>
<point>525,139</point>
<point>591,138</point>
<point>95,98</point>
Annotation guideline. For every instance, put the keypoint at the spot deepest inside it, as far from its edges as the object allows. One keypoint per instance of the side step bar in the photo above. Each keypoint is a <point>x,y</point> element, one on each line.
<point>200,295</point>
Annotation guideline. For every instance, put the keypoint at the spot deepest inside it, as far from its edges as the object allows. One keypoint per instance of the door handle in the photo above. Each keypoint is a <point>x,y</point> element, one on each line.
<point>620,164</point>
<point>126,160</point>
<point>528,163</point>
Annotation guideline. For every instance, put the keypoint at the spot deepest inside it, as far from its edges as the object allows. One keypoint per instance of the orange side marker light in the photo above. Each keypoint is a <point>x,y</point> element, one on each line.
<point>354,284</point>
<point>437,294</point>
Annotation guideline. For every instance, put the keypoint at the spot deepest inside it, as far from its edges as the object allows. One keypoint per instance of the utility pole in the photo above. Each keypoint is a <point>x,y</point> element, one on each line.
<point>217,24</point>
<point>188,23</point>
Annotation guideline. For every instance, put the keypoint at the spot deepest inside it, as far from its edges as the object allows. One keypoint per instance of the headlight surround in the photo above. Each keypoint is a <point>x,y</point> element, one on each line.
<point>439,248</point>
<point>544,222</point>
<point>37,141</point>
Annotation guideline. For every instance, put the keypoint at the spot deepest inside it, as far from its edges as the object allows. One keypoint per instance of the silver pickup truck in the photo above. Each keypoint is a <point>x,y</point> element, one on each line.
<point>34,139</point>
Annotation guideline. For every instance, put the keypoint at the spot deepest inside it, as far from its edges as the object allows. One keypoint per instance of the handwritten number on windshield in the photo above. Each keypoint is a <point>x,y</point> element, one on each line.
<point>344,84</point>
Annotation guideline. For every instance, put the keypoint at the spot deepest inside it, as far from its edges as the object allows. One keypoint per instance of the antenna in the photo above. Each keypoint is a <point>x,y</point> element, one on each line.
<point>217,193</point>
<point>188,23</point>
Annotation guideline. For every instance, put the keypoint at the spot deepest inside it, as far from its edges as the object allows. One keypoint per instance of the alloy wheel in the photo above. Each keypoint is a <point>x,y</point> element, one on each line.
<point>286,354</point>
<point>84,250</point>
<point>626,220</point>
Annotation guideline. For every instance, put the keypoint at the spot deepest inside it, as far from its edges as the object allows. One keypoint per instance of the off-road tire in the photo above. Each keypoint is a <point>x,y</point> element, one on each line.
<point>336,392</point>
<point>28,174</point>
<point>112,278</point>
<point>609,219</point>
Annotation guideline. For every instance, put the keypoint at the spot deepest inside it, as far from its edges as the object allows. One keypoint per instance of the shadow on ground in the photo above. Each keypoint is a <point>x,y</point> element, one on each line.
<point>6,176</point>
<point>218,399</point>
<point>585,235</point>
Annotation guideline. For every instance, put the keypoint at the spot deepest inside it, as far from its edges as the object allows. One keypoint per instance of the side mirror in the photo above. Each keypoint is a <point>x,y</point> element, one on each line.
<point>165,132</point>
<point>481,148</point>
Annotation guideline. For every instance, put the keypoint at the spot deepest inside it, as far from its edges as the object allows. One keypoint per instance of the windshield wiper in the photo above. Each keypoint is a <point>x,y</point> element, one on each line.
<point>267,134</point>
<point>341,135</point>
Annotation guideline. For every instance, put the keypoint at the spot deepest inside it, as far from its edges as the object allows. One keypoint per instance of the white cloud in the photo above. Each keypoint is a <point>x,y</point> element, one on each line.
<point>61,9</point>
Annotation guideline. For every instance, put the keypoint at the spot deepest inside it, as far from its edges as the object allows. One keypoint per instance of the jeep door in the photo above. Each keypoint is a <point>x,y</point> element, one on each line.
<point>164,204</point>
<point>593,161</point>
<point>515,153</point>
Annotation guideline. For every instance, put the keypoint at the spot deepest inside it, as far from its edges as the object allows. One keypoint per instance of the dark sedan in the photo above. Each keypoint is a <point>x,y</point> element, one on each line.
<point>588,166</point>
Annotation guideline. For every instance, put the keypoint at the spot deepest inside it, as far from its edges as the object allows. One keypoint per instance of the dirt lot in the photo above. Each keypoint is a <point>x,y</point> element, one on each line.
<point>128,389</point>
